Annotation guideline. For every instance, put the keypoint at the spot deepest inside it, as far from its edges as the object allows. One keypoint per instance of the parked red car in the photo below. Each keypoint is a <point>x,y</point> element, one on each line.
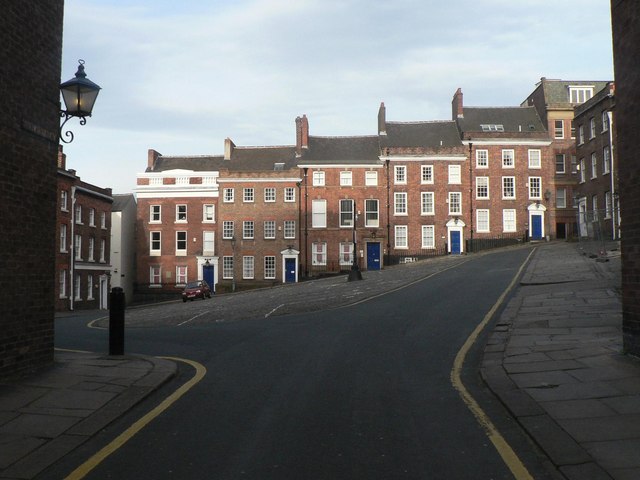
<point>199,289</point>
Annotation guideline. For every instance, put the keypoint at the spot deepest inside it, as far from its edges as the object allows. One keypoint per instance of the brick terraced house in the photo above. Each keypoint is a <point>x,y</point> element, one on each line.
<point>597,189</point>
<point>555,101</point>
<point>265,215</point>
<point>83,268</point>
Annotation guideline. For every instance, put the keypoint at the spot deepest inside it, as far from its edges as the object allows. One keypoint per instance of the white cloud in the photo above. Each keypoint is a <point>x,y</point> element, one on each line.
<point>182,76</point>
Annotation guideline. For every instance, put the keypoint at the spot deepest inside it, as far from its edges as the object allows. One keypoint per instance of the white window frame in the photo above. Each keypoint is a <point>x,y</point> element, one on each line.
<point>228,229</point>
<point>63,237</point>
<point>594,165</point>
<point>506,188</point>
<point>181,275</point>
<point>155,213</point>
<point>508,158</point>
<point>580,94</point>
<point>289,229</point>
<point>482,158</point>
<point>248,267</point>
<point>563,157</point>
<point>64,200</point>
<point>606,160</point>
<point>91,249</point>
<point>594,207</point>
<point>319,253</point>
<point>79,215</point>
<point>155,275</point>
<point>269,267</point>
<point>607,204</point>
<point>509,220</point>
<point>181,213</point>
<point>558,131</point>
<point>605,121</point>
<point>181,252</point>
<point>269,194</point>
<point>346,253</point>
<point>583,173</point>
<point>400,174</point>
<point>580,134</point>
<point>208,242</point>
<point>77,294</point>
<point>455,175</point>
<point>482,220</point>
<point>561,198</point>
<point>482,188</point>
<point>248,229</point>
<point>428,236</point>
<point>535,158</point>
<point>62,284</point>
<point>318,178</point>
<point>592,128</point>
<point>228,195</point>
<point>227,267</point>
<point>92,217</point>
<point>455,200</point>
<point>427,203</point>
<point>248,195</point>
<point>208,213</point>
<point>103,250</point>
<point>426,174</point>
<point>401,237</point>
<point>289,194</point>
<point>347,212</point>
<point>371,215</point>
<point>400,207</point>
<point>346,178</point>
<point>103,220</point>
<point>371,178</point>
<point>535,188</point>
<point>77,247</point>
<point>319,213</point>
<point>269,229</point>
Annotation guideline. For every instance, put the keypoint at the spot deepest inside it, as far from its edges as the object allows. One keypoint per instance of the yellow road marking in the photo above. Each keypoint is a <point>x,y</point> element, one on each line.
<point>125,436</point>
<point>509,457</point>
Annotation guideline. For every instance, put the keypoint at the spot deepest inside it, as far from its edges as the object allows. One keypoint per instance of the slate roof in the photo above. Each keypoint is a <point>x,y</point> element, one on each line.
<point>120,201</point>
<point>421,134</point>
<point>246,159</point>
<point>196,163</point>
<point>513,119</point>
<point>346,150</point>
<point>557,91</point>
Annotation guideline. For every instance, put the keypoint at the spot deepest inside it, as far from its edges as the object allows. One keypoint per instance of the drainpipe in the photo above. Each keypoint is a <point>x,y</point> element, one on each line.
<point>306,225</point>
<point>615,222</point>
<point>387,161</point>
<point>470,196</point>
<point>72,254</point>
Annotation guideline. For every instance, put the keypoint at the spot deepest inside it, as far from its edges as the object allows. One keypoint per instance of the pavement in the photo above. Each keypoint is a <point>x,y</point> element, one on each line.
<point>554,359</point>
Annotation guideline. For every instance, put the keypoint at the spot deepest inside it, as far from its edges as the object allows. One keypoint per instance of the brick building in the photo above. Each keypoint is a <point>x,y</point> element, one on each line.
<point>83,232</point>
<point>511,167</point>
<point>31,38</point>
<point>597,189</point>
<point>555,100</point>
<point>625,20</point>
<point>176,222</point>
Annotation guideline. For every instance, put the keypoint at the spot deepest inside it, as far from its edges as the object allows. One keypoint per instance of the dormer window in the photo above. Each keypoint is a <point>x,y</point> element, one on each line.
<point>492,128</point>
<point>580,94</point>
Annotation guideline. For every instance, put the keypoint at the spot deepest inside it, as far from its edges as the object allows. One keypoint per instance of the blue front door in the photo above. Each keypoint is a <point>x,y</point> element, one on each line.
<point>373,256</point>
<point>290,270</point>
<point>536,227</point>
<point>207,276</point>
<point>455,242</point>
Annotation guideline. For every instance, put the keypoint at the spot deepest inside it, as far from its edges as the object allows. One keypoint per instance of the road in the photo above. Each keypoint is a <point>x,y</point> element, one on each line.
<point>356,392</point>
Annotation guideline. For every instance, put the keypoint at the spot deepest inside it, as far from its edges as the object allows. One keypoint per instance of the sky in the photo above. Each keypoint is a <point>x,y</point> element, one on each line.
<point>180,77</point>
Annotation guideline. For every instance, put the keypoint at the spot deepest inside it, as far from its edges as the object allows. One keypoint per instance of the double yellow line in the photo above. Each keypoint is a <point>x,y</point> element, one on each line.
<point>125,436</point>
<point>509,457</point>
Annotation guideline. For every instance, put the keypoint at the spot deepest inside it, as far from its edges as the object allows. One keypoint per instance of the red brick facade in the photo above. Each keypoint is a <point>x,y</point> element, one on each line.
<point>625,16</point>
<point>31,38</point>
<point>83,242</point>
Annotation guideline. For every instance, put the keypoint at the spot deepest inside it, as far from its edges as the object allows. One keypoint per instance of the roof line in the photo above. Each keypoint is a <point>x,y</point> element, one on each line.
<point>345,136</point>
<point>421,122</point>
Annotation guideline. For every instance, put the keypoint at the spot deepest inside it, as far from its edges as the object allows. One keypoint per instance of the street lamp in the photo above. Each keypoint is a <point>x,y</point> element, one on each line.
<point>355,273</point>
<point>233,263</point>
<point>79,95</point>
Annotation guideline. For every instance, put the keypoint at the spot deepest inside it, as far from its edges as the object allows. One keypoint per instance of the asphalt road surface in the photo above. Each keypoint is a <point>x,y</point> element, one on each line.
<point>355,392</point>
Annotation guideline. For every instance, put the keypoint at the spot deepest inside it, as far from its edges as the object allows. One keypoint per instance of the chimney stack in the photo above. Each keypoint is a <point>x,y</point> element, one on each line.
<point>152,156</point>
<point>457,106</point>
<point>228,148</point>
<point>302,134</point>
<point>382,119</point>
<point>62,158</point>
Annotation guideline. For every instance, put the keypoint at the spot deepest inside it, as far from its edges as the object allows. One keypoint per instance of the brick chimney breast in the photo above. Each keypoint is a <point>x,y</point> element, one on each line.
<point>152,156</point>
<point>302,134</point>
<point>228,148</point>
<point>382,119</point>
<point>457,105</point>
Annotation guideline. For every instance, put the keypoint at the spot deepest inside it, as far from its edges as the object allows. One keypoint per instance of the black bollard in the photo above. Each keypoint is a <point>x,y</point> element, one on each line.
<point>116,322</point>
